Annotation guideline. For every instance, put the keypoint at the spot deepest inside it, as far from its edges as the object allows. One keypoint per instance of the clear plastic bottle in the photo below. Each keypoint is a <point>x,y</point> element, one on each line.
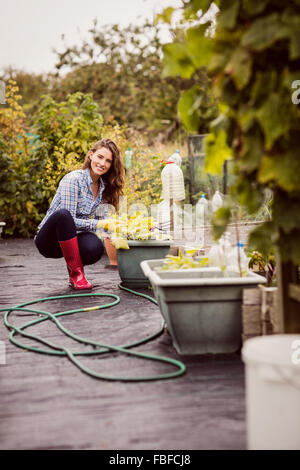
<point>176,158</point>
<point>226,245</point>
<point>216,201</point>
<point>237,260</point>
<point>201,211</point>
<point>203,201</point>
<point>172,182</point>
<point>163,220</point>
<point>128,158</point>
<point>214,255</point>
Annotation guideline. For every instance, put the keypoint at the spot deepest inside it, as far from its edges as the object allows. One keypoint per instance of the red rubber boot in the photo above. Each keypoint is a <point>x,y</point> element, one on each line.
<point>71,254</point>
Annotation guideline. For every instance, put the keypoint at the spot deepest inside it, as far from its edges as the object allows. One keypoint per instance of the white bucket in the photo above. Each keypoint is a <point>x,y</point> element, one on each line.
<point>273,392</point>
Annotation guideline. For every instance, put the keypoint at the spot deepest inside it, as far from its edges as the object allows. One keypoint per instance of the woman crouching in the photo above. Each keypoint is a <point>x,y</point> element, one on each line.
<point>82,198</point>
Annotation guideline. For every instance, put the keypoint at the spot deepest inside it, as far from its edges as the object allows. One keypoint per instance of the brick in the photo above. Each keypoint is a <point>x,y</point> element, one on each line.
<point>252,296</point>
<point>252,328</point>
<point>251,313</point>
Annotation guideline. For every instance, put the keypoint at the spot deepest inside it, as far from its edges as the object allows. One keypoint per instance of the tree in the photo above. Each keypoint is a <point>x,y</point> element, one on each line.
<point>122,68</point>
<point>31,87</point>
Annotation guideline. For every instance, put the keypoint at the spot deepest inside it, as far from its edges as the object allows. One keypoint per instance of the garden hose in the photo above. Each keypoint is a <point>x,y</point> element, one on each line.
<point>99,348</point>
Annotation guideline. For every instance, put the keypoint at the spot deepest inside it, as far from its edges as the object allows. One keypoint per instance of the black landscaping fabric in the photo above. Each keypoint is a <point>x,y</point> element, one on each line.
<point>48,403</point>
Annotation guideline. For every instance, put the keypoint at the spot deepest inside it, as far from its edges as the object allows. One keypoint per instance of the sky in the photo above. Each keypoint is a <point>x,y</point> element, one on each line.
<point>29,29</point>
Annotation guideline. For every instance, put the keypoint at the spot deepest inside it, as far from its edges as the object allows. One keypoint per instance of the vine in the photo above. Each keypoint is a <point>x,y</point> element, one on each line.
<point>253,57</point>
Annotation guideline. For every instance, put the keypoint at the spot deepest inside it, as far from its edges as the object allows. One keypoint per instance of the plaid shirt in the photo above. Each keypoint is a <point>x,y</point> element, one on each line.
<point>75,194</point>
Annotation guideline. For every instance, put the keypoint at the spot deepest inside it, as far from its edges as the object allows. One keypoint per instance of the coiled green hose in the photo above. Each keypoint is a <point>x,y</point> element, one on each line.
<point>99,348</point>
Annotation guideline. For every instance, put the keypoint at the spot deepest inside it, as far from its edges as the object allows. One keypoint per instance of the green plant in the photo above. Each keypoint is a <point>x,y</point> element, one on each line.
<point>263,263</point>
<point>66,132</point>
<point>19,187</point>
<point>137,226</point>
<point>185,260</point>
<point>254,57</point>
<point>143,180</point>
<point>119,65</point>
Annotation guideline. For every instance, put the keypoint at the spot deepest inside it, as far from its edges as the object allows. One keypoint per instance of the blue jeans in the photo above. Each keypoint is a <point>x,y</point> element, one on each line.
<point>60,226</point>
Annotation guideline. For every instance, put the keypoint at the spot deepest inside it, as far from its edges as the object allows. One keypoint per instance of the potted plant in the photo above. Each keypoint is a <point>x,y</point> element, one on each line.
<point>263,265</point>
<point>200,304</point>
<point>136,240</point>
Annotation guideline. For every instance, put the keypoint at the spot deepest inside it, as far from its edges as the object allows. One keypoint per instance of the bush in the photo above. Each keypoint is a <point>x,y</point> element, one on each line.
<point>19,188</point>
<point>32,163</point>
<point>34,159</point>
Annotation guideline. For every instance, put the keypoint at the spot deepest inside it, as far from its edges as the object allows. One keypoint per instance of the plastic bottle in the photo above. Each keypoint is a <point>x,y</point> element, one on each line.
<point>172,182</point>
<point>232,264</point>
<point>216,201</point>
<point>227,247</point>
<point>201,210</point>
<point>216,256</point>
<point>128,159</point>
<point>163,215</point>
<point>203,201</point>
<point>176,158</point>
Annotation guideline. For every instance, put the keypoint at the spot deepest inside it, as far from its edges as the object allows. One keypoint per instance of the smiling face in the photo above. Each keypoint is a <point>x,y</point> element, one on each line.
<point>101,161</point>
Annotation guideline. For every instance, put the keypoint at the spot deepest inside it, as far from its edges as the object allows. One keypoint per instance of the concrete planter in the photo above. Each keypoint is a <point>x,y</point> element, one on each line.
<point>201,307</point>
<point>129,260</point>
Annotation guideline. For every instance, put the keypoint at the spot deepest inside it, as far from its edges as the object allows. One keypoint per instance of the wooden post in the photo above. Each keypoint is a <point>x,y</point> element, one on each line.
<point>172,216</point>
<point>251,313</point>
<point>269,307</point>
<point>191,171</point>
<point>225,176</point>
<point>289,296</point>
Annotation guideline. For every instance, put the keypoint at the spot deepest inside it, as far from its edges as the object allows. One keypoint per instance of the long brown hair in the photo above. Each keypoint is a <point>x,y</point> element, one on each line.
<point>114,178</point>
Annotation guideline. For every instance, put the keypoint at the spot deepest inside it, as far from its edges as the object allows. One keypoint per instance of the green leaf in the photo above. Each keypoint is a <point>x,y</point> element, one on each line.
<point>264,32</point>
<point>187,107</point>
<point>248,193</point>
<point>240,67</point>
<point>199,46</point>
<point>176,61</point>
<point>253,7</point>
<point>165,16</point>
<point>216,152</point>
<point>29,206</point>
<point>294,48</point>
<point>265,83</point>
<point>291,19</point>
<point>289,219</point>
<point>230,94</point>
<point>201,4</point>
<point>252,152</point>
<point>221,122</point>
<point>262,238</point>
<point>283,170</point>
<point>228,14</point>
<point>246,117</point>
<point>194,6</point>
<point>220,220</point>
<point>270,118</point>
<point>219,60</point>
